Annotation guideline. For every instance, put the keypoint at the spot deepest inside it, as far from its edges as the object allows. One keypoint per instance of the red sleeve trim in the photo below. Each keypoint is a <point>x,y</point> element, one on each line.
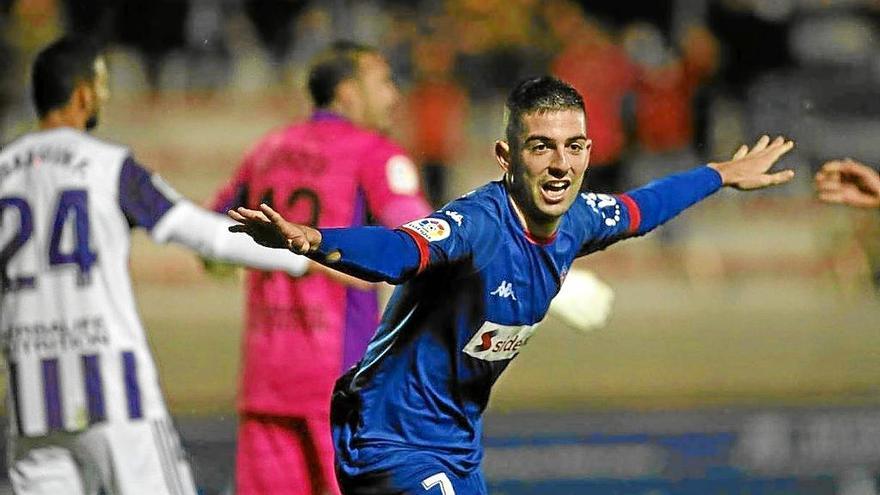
<point>422,244</point>
<point>635,214</point>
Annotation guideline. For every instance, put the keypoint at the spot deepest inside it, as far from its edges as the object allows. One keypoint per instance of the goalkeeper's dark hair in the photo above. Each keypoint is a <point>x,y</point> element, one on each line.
<point>58,68</point>
<point>537,94</point>
<point>332,66</point>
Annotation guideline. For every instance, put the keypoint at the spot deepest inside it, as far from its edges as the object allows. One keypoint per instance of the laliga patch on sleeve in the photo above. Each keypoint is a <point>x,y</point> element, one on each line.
<point>432,229</point>
<point>401,174</point>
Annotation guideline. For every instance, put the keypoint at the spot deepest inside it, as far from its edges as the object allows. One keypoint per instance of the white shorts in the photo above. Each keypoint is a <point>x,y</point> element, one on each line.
<point>133,458</point>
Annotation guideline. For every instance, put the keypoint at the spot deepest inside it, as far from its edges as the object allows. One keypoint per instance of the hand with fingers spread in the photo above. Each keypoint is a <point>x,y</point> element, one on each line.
<point>848,182</point>
<point>268,228</point>
<point>748,169</point>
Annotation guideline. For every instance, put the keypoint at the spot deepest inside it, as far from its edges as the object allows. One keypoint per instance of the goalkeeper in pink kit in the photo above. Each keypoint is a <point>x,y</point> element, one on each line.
<point>336,169</point>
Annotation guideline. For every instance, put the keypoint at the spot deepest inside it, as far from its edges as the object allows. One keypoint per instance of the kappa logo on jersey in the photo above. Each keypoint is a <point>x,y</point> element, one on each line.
<point>494,342</point>
<point>602,204</point>
<point>504,290</point>
<point>432,229</point>
<point>456,216</point>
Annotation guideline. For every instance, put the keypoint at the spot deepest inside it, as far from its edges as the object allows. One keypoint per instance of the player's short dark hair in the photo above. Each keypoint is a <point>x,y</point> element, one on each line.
<point>332,66</point>
<point>59,68</point>
<point>537,94</point>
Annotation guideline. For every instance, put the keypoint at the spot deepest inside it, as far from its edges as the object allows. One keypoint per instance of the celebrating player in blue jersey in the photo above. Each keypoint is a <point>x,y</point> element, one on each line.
<point>477,279</point>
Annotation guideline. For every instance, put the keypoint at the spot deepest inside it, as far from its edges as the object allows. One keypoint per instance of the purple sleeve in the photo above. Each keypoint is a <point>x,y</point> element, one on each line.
<point>141,201</point>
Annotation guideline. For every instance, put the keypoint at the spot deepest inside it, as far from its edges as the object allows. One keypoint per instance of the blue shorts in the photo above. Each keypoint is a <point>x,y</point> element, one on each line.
<point>418,480</point>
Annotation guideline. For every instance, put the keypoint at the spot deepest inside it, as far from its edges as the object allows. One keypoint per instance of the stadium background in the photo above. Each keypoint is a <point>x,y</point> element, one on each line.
<point>743,353</point>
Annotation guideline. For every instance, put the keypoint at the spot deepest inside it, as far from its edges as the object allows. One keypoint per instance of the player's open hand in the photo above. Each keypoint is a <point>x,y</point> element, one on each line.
<point>748,169</point>
<point>848,182</point>
<point>270,229</point>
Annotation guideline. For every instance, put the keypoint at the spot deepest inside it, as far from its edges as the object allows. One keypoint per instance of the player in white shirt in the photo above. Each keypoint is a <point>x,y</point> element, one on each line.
<point>87,414</point>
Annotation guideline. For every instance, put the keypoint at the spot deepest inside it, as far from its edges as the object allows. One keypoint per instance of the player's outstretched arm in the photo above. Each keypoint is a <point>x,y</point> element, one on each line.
<point>657,202</point>
<point>748,169</point>
<point>848,182</point>
<point>374,254</point>
<point>206,233</point>
<point>148,202</point>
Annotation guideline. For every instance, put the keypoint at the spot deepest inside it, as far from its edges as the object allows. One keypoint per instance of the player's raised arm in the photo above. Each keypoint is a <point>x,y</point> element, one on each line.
<point>375,254</point>
<point>848,182</point>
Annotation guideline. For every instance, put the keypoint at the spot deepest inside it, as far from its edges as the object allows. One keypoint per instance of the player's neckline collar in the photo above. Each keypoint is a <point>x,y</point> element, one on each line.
<point>520,222</point>
<point>327,116</point>
<point>540,241</point>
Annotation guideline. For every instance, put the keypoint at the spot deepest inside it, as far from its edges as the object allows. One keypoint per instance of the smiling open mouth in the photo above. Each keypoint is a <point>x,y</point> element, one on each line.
<point>554,190</point>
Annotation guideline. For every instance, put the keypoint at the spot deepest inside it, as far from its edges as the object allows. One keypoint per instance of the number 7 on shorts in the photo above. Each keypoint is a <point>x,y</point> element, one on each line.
<point>439,479</point>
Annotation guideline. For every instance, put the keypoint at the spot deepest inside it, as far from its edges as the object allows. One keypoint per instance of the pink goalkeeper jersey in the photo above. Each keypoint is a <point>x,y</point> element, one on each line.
<point>303,332</point>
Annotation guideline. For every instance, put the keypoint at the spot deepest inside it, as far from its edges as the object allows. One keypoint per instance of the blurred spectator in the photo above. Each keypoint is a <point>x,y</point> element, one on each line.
<point>27,26</point>
<point>754,36</point>
<point>32,24</point>
<point>208,54</point>
<point>314,30</point>
<point>399,36</point>
<point>437,107</point>
<point>94,18</point>
<point>274,21</point>
<point>667,84</point>
<point>604,75</point>
<point>7,79</point>
<point>155,29</point>
<point>618,13</point>
<point>497,41</point>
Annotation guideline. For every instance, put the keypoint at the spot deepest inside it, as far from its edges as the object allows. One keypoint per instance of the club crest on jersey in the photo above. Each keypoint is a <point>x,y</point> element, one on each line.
<point>432,229</point>
<point>494,342</point>
<point>605,205</point>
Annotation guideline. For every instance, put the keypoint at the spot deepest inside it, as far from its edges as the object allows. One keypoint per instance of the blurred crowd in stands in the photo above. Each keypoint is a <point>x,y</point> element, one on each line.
<point>666,81</point>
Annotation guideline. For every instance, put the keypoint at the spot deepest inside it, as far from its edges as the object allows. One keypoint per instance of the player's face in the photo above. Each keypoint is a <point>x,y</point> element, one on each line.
<point>377,91</point>
<point>100,90</point>
<point>547,166</point>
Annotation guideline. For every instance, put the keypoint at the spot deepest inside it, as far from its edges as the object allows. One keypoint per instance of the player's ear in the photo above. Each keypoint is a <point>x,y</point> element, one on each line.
<point>82,97</point>
<point>345,91</point>
<point>349,99</point>
<point>502,155</point>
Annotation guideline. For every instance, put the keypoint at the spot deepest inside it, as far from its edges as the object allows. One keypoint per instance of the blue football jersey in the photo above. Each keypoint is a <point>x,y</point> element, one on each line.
<point>484,286</point>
